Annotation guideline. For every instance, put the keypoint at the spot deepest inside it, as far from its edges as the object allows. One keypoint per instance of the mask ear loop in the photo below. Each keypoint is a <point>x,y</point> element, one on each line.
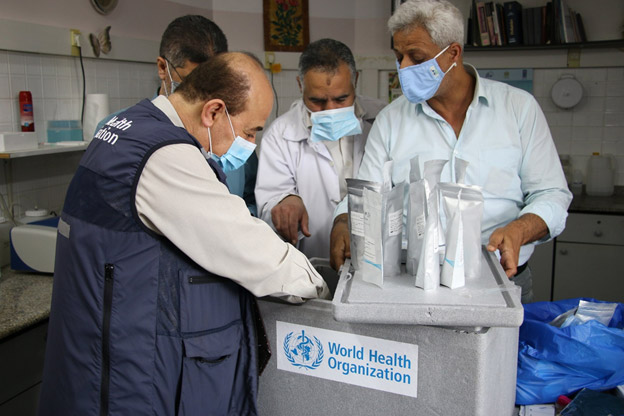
<point>441,52</point>
<point>170,80</point>
<point>231,126</point>
<point>209,142</point>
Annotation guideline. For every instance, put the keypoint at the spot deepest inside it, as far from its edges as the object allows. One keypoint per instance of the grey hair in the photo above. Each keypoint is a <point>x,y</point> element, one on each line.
<point>326,55</point>
<point>442,20</point>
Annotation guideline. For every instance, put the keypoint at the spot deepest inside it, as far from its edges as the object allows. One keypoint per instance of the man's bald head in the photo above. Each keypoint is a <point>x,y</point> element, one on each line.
<point>237,78</point>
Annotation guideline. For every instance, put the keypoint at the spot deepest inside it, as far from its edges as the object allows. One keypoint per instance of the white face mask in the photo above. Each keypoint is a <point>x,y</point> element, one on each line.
<point>236,155</point>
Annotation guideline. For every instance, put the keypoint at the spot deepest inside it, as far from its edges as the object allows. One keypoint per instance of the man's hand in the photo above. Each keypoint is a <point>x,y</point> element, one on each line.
<point>508,240</point>
<point>288,216</point>
<point>339,242</point>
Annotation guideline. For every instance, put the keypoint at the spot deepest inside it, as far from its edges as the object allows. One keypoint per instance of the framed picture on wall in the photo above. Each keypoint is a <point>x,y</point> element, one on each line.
<point>286,25</point>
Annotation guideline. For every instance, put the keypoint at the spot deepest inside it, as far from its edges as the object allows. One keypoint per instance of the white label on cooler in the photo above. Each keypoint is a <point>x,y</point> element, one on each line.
<point>395,222</point>
<point>374,363</point>
<point>357,223</point>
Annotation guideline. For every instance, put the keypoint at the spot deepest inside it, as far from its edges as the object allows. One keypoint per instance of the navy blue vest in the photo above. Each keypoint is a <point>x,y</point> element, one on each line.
<point>136,327</point>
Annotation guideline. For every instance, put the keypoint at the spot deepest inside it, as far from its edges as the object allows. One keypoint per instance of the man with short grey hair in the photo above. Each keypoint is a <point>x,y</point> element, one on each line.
<point>447,112</point>
<point>307,153</point>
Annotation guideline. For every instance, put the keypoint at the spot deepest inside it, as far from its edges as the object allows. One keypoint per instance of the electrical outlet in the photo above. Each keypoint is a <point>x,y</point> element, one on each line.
<point>269,59</point>
<point>574,58</point>
<point>74,41</point>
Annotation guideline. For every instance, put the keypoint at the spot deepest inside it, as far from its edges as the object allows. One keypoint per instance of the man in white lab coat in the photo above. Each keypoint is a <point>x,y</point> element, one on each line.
<point>308,152</point>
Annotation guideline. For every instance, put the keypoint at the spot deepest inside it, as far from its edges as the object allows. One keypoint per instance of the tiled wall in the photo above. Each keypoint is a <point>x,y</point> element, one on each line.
<point>56,85</point>
<point>595,125</point>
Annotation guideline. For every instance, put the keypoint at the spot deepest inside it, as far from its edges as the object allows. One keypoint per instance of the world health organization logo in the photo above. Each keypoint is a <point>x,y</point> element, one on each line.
<point>302,351</point>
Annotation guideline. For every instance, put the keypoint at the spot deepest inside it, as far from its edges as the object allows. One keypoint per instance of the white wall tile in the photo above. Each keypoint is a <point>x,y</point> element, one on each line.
<point>614,104</point>
<point>592,119</point>
<point>613,133</point>
<point>615,74</point>
<point>595,88</point>
<point>614,119</point>
<point>34,84</point>
<point>4,62</point>
<point>5,87</point>
<point>16,64</point>
<point>50,89</point>
<point>556,119</point>
<point>585,147</point>
<point>6,112</point>
<point>584,132</point>
<point>63,66</point>
<point>18,83</point>
<point>615,88</point>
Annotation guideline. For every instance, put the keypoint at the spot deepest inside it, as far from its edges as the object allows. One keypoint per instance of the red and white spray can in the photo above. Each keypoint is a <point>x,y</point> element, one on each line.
<point>27,119</point>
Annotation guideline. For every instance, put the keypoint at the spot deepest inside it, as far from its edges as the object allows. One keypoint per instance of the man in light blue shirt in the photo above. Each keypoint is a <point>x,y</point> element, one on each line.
<point>448,112</point>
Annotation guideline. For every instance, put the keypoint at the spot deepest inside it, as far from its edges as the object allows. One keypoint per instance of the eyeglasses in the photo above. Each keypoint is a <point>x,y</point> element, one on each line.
<point>174,69</point>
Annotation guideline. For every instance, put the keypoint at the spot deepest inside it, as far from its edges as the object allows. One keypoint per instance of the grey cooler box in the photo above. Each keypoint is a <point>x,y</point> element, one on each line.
<point>396,350</point>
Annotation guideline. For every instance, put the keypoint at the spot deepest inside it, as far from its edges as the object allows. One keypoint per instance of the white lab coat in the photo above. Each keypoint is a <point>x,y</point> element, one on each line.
<point>291,165</point>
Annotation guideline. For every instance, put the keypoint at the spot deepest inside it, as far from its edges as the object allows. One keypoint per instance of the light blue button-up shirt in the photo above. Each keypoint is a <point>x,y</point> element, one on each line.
<point>506,140</point>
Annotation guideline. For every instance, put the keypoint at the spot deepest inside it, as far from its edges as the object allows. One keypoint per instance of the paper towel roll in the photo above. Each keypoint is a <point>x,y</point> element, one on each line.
<point>96,108</point>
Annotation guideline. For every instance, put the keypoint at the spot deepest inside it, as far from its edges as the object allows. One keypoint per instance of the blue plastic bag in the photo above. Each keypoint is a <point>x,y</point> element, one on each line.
<point>554,361</point>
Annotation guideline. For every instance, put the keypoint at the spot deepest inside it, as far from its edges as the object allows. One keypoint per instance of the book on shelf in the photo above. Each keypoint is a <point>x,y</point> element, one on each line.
<point>482,23</point>
<point>548,24</point>
<point>473,35</point>
<point>575,33</point>
<point>512,11</point>
<point>500,14</point>
<point>537,25</point>
<point>490,23</point>
<point>509,23</point>
<point>526,35</point>
<point>581,28</point>
<point>495,27</point>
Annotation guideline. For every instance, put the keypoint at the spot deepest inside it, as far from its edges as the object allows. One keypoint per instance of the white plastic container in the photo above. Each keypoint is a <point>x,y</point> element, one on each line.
<point>12,141</point>
<point>33,215</point>
<point>600,173</point>
<point>466,341</point>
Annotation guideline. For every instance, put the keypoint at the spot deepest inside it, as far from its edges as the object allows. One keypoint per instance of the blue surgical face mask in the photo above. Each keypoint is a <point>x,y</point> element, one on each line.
<point>236,155</point>
<point>333,124</point>
<point>420,82</point>
<point>174,84</point>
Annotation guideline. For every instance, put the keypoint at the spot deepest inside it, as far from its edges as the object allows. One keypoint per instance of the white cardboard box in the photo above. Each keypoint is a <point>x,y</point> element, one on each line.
<point>11,141</point>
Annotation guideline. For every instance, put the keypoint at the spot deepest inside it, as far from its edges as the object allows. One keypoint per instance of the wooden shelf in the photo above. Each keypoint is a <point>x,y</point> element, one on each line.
<point>600,44</point>
<point>45,149</point>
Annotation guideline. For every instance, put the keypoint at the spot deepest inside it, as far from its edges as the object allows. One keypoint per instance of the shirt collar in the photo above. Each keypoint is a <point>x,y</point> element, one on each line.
<point>480,93</point>
<point>163,104</point>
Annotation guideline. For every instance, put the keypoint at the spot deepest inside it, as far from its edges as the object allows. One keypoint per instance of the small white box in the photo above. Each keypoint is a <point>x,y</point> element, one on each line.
<point>11,141</point>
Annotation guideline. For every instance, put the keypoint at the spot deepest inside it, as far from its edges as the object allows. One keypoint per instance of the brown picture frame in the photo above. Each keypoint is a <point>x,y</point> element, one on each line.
<point>286,25</point>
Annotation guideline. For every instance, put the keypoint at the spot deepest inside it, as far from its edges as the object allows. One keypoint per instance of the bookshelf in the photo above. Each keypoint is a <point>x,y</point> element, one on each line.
<point>600,44</point>
<point>542,25</point>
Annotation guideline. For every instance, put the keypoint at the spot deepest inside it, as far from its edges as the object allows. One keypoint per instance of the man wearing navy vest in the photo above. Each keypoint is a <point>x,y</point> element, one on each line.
<point>153,308</point>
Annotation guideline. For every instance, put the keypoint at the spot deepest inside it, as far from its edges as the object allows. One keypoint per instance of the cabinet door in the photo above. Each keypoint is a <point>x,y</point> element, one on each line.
<point>588,270</point>
<point>541,264</point>
<point>21,367</point>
